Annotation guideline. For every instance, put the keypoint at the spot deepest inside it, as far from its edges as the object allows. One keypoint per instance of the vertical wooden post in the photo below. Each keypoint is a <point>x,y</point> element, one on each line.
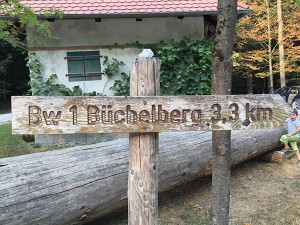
<point>221,85</point>
<point>143,150</point>
<point>221,172</point>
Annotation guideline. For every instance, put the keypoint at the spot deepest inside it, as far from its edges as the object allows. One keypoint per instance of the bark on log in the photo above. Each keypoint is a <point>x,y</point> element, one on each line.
<point>79,184</point>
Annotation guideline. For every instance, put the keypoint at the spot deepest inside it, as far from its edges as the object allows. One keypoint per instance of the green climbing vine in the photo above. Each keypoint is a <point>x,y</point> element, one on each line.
<point>49,87</point>
<point>112,69</point>
<point>121,87</point>
<point>185,70</point>
<point>185,67</point>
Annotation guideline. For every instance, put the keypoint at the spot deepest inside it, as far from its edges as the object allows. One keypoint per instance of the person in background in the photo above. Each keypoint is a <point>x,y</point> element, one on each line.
<point>293,125</point>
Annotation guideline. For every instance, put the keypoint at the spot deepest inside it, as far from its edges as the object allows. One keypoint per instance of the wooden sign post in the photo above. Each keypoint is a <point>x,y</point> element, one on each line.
<point>144,114</point>
<point>143,150</point>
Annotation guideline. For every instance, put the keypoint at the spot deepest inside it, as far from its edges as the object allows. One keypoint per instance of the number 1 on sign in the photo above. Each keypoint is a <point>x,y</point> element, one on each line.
<point>73,109</point>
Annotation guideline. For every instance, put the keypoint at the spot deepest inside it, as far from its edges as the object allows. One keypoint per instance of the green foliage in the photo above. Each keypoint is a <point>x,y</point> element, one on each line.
<point>122,87</point>
<point>112,69</point>
<point>36,145</point>
<point>13,72</point>
<point>52,89</point>
<point>49,87</point>
<point>296,4</point>
<point>36,81</point>
<point>185,68</point>
<point>252,44</point>
<point>192,219</point>
<point>12,30</point>
<point>39,87</point>
<point>4,85</point>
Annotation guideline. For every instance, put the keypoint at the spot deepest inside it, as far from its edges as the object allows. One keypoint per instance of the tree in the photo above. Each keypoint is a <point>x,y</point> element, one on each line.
<point>254,43</point>
<point>13,72</point>
<point>271,82</point>
<point>280,43</point>
<point>291,34</point>
<point>221,85</point>
<point>257,47</point>
<point>13,40</point>
<point>18,16</point>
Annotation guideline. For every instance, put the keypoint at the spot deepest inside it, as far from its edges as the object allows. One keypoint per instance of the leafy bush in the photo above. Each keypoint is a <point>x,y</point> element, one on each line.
<point>185,68</point>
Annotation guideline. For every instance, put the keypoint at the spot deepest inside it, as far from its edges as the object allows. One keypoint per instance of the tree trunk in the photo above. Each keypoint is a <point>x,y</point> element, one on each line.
<point>75,185</point>
<point>271,83</point>
<point>250,84</point>
<point>280,43</point>
<point>221,85</point>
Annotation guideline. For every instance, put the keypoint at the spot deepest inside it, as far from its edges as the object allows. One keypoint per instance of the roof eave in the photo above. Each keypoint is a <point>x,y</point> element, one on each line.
<point>240,13</point>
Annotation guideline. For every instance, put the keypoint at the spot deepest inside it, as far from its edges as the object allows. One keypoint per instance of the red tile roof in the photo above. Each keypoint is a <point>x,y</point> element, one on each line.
<point>129,7</point>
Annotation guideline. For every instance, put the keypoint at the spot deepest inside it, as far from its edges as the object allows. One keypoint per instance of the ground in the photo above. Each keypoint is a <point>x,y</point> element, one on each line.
<point>261,194</point>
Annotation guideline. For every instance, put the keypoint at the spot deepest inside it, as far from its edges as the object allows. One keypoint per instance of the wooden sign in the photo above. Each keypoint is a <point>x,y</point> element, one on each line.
<point>56,115</point>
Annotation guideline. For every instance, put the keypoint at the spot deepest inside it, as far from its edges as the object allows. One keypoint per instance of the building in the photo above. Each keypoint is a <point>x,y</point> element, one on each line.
<point>91,30</point>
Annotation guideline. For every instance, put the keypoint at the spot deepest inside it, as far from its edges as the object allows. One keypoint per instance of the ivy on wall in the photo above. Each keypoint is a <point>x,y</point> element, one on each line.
<point>185,70</point>
<point>185,66</point>
<point>48,87</point>
<point>121,87</point>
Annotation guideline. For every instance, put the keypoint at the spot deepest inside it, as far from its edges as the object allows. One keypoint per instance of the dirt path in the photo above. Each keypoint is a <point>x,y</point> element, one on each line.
<point>266,193</point>
<point>261,194</point>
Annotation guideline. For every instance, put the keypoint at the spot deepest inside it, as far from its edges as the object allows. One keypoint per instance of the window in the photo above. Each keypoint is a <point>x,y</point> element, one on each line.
<point>84,66</point>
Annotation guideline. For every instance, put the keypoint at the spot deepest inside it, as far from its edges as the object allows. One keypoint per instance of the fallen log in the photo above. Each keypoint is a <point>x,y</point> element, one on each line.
<point>76,185</point>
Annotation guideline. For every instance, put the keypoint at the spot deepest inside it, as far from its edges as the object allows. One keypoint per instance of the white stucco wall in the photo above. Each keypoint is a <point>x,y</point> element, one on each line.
<point>54,62</point>
<point>86,34</point>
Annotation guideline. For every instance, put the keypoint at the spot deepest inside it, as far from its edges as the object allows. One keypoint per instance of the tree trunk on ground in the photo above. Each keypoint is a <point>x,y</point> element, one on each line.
<point>75,185</point>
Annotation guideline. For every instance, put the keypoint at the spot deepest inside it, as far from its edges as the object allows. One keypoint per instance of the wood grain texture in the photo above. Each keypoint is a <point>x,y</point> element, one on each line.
<point>80,184</point>
<point>57,115</point>
<point>143,150</point>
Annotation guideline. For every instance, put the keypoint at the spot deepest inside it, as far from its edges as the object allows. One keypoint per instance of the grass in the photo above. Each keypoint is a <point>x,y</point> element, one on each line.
<point>13,145</point>
<point>192,218</point>
<point>185,215</point>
